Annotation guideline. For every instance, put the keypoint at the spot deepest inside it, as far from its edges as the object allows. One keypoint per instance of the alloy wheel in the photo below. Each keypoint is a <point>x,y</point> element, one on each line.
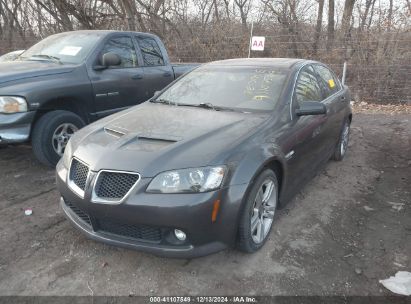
<point>61,136</point>
<point>262,213</point>
<point>344,139</point>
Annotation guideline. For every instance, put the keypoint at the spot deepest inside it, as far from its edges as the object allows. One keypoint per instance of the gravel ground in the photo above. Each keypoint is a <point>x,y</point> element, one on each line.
<point>348,228</point>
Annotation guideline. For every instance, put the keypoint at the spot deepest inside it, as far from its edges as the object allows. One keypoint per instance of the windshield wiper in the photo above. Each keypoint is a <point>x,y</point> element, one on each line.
<point>162,100</point>
<point>54,58</point>
<point>205,105</point>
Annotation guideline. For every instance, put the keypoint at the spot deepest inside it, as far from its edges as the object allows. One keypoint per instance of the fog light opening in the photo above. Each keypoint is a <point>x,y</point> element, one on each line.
<point>180,235</point>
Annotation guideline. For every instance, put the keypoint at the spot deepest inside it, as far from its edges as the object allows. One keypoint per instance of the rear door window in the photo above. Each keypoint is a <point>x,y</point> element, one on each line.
<point>150,50</point>
<point>329,82</point>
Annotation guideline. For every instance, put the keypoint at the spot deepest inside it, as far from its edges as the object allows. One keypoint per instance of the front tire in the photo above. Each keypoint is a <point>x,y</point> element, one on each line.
<point>258,213</point>
<point>51,134</point>
<point>342,146</point>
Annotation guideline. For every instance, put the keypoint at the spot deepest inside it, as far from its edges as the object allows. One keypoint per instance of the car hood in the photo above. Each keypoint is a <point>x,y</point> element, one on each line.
<point>152,138</point>
<point>17,70</point>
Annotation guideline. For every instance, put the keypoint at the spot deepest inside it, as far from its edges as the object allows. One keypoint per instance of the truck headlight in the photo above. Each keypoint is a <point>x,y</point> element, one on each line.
<point>12,104</point>
<point>188,180</point>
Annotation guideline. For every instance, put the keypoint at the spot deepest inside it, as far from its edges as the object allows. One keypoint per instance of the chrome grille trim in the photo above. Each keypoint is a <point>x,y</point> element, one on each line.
<point>97,199</point>
<point>72,185</point>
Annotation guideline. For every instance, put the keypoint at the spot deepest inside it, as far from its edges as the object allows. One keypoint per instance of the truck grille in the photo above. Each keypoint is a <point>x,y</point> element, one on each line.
<point>79,173</point>
<point>114,185</point>
<point>138,232</point>
<point>79,212</point>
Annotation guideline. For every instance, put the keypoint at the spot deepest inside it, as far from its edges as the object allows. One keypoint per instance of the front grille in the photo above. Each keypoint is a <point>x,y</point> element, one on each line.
<point>114,185</point>
<point>139,232</point>
<point>80,213</point>
<point>79,173</point>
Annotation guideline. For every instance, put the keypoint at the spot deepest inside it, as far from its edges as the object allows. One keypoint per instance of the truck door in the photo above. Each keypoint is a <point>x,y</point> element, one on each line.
<point>158,73</point>
<point>119,87</point>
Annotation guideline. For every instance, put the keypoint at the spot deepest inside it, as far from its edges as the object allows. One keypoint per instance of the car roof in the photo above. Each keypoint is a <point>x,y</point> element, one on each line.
<point>285,63</point>
<point>107,32</point>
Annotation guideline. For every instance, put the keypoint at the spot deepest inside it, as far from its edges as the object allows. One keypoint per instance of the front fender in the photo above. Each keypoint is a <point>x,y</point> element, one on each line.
<point>255,160</point>
<point>250,166</point>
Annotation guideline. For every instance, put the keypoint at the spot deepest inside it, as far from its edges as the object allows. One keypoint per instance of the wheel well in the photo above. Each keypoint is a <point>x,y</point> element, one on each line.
<point>277,167</point>
<point>62,104</point>
<point>66,104</point>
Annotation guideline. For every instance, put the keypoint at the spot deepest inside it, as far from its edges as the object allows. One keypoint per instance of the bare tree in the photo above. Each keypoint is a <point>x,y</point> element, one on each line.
<point>244,8</point>
<point>330,26</point>
<point>346,18</point>
<point>318,26</point>
<point>374,38</point>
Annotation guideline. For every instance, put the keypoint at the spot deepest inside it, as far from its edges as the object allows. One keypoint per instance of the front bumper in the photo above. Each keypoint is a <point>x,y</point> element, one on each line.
<point>15,128</point>
<point>164,212</point>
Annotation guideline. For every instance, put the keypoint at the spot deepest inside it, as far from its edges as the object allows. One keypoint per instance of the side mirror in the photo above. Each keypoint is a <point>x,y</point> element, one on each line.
<point>110,59</point>
<point>311,108</point>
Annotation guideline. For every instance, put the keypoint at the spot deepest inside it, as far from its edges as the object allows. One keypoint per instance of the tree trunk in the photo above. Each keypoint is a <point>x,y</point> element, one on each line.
<point>330,26</point>
<point>368,5</point>
<point>216,15</point>
<point>346,19</point>
<point>129,12</point>
<point>318,26</point>
<point>390,16</point>
<point>63,13</point>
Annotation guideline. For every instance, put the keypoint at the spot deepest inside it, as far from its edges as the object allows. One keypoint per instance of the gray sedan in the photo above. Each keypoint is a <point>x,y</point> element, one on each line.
<point>205,164</point>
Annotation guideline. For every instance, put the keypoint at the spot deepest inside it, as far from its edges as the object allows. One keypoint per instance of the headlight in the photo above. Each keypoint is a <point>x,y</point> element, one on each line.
<point>188,180</point>
<point>12,104</point>
<point>68,152</point>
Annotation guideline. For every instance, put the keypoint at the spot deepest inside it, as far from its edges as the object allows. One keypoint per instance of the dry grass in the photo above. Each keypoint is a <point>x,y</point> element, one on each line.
<point>371,108</point>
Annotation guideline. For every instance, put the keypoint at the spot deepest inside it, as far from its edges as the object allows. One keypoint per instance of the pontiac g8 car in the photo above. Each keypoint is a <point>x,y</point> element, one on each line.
<point>205,163</point>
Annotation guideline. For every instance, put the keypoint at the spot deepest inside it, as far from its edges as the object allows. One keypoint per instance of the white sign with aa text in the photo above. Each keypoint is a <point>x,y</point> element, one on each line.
<point>257,43</point>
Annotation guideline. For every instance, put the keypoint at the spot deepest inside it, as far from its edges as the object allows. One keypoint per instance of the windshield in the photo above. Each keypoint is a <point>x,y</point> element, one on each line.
<point>70,47</point>
<point>233,87</point>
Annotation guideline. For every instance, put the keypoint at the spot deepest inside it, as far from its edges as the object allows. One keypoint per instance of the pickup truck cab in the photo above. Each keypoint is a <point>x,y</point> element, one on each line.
<point>71,79</point>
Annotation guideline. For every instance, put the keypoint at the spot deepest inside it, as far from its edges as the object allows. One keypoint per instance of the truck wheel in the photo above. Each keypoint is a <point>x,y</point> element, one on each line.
<point>51,134</point>
<point>258,213</point>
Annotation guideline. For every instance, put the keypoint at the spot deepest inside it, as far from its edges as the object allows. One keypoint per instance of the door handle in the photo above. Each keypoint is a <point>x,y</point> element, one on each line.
<point>137,76</point>
<point>167,74</point>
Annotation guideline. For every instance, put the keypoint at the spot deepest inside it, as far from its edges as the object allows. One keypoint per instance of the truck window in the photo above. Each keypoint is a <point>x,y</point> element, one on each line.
<point>151,51</point>
<point>123,47</point>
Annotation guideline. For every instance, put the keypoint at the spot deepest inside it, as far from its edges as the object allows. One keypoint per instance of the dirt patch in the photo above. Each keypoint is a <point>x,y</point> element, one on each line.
<point>348,228</point>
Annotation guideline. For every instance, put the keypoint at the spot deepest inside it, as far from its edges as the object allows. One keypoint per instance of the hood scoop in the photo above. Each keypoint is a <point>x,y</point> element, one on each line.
<point>149,143</point>
<point>155,139</point>
<point>114,131</point>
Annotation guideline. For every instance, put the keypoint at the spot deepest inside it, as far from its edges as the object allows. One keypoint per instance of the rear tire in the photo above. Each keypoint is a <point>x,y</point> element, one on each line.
<point>257,218</point>
<point>51,134</point>
<point>342,146</point>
